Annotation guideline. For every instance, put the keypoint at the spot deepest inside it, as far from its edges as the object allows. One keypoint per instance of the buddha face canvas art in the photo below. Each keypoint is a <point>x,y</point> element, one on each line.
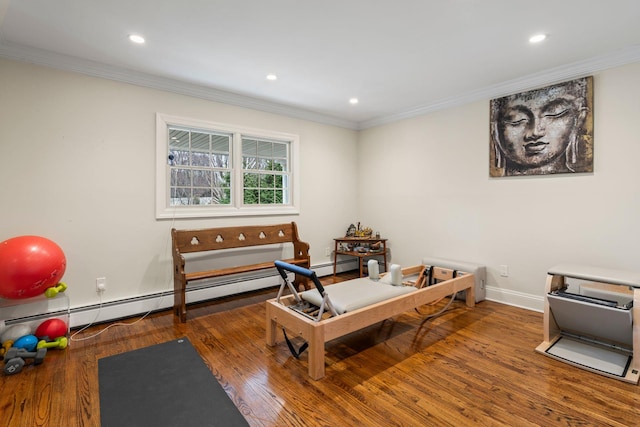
<point>543,131</point>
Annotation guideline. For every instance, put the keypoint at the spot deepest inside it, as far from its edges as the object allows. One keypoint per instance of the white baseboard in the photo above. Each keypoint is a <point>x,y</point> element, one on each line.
<point>113,310</point>
<point>516,299</point>
<point>129,307</point>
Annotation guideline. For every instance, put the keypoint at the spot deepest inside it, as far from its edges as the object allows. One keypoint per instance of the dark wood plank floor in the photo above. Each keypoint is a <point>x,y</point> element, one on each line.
<point>467,367</point>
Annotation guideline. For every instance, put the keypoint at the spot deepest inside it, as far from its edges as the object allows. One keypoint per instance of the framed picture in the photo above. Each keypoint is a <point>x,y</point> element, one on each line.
<point>543,131</point>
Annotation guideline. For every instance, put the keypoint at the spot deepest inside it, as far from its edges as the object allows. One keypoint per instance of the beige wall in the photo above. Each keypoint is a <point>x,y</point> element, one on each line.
<point>425,184</point>
<point>78,167</point>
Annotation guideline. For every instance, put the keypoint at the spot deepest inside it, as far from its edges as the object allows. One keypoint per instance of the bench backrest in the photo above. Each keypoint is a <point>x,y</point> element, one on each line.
<point>211,239</point>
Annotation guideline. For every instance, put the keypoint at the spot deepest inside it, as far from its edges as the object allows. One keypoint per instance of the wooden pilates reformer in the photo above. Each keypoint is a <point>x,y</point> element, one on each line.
<point>333,313</point>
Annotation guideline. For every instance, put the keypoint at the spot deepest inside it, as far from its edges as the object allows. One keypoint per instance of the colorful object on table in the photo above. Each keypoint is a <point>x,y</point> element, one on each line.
<point>53,291</point>
<point>29,265</point>
<point>60,343</point>
<point>351,231</point>
<point>28,342</point>
<point>14,332</point>
<point>51,329</point>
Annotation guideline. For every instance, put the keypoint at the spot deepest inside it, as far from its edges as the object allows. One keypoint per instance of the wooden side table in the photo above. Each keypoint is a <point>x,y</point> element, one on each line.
<point>368,241</point>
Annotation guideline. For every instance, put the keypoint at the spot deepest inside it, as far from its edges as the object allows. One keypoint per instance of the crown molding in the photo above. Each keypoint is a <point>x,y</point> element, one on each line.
<point>571,71</point>
<point>97,69</point>
<point>566,72</point>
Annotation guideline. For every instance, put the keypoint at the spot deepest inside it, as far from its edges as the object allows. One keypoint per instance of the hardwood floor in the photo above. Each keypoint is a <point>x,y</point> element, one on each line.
<point>467,367</point>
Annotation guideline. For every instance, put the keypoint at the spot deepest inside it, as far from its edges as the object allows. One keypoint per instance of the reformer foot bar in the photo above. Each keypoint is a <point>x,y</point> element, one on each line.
<point>333,319</point>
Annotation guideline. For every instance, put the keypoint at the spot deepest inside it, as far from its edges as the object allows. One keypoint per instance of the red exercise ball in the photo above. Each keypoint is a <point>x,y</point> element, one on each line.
<point>51,329</point>
<point>29,265</point>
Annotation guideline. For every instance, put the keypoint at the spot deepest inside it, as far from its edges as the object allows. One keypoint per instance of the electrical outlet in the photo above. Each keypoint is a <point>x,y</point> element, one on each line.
<point>504,271</point>
<point>327,251</point>
<point>101,284</point>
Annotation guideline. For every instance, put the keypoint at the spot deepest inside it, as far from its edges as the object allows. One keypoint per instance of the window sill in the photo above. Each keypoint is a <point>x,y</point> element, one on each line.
<point>221,212</point>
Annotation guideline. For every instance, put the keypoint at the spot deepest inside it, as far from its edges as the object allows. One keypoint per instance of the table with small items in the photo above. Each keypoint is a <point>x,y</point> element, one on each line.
<point>360,247</point>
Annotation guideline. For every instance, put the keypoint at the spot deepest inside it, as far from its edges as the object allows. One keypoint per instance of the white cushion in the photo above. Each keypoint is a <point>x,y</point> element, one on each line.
<point>357,293</point>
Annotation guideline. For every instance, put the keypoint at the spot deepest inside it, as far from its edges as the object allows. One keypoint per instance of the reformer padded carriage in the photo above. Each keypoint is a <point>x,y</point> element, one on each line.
<point>322,314</point>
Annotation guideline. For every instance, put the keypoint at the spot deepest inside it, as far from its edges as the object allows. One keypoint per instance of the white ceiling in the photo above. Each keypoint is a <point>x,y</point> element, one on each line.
<point>399,57</point>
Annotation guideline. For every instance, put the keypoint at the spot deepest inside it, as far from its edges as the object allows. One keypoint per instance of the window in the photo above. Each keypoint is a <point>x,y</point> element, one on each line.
<point>264,172</point>
<point>209,169</point>
<point>199,169</point>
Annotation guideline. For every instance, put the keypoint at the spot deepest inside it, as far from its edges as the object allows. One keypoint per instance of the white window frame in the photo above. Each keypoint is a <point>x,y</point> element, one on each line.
<point>237,208</point>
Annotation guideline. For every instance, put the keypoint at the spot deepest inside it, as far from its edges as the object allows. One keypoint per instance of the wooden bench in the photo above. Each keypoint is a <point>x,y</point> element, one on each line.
<point>213,239</point>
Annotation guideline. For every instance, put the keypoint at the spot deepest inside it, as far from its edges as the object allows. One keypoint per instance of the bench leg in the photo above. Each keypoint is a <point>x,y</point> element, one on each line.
<point>181,313</point>
<point>179,303</point>
<point>301,280</point>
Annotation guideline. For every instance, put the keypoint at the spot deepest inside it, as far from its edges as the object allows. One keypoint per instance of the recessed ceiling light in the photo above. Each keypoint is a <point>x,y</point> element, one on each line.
<point>136,38</point>
<point>272,77</point>
<point>353,101</point>
<point>537,38</point>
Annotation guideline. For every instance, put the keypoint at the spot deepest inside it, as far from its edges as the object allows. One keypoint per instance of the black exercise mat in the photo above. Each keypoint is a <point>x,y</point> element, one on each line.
<point>166,384</point>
